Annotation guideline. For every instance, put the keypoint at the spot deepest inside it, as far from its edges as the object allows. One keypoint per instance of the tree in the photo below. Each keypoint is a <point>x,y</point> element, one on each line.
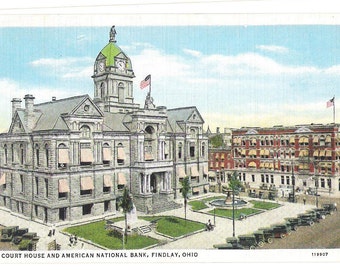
<point>185,191</point>
<point>234,184</point>
<point>127,206</point>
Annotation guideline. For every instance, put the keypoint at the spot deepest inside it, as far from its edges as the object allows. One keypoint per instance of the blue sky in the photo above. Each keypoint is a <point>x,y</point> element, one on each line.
<point>235,75</point>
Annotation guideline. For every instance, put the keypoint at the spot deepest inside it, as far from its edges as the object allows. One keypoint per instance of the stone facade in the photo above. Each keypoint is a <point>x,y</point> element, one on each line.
<point>71,158</point>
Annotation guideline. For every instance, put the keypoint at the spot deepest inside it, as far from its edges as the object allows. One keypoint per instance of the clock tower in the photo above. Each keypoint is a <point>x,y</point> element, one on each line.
<point>113,78</point>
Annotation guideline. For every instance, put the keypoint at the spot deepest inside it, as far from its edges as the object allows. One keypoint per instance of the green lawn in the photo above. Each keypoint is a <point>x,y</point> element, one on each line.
<point>197,205</point>
<point>264,205</point>
<point>96,233</point>
<point>229,212</point>
<point>174,226</point>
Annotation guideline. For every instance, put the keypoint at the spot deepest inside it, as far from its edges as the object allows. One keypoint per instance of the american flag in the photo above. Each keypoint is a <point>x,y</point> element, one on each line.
<point>145,82</point>
<point>330,103</point>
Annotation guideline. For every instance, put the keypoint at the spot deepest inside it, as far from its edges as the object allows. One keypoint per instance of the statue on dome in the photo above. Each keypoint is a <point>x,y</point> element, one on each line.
<point>113,34</point>
<point>149,102</point>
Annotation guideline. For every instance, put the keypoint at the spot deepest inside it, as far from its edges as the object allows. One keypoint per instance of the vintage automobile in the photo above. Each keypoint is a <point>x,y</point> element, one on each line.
<point>248,241</point>
<point>306,219</point>
<point>267,234</point>
<point>321,213</point>
<point>294,222</point>
<point>8,233</point>
<point>29,241</point>
<point>281,230</point>
<point>18,235</point>
<point>313,215</point>
<point>231,243</point>
<point>260,238</point>
<point>330,207</point>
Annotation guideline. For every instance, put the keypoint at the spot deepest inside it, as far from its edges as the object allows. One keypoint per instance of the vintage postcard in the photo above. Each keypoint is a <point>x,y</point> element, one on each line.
<point>148,137</point>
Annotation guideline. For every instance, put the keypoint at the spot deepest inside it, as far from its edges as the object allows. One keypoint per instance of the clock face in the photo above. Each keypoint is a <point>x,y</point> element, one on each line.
<point>120,64</point>
<point>101,67</point>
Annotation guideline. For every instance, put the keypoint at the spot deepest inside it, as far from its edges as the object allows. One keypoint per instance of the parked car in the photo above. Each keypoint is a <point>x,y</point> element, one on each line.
<point>321,213</point>
<point>8,233</point>
<point>294,222</point>
<point>260,238</point>
<point>281,230</point>
<point>18,235</point>
<point>330,207</point>
<point>267,234</point>
<point>231,243</point>
<point>306,220</point>
<point>249,241</point>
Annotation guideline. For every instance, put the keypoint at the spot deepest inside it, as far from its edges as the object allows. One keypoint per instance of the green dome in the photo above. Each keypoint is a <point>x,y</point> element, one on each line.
<point>111,51</point>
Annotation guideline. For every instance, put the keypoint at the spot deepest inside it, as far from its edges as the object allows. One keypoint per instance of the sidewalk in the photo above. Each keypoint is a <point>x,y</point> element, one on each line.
<point>10,219</point>
<point>202,240</point>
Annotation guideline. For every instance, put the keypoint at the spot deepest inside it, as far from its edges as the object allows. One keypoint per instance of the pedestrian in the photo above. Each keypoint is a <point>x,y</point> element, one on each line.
<point>71,240</point>
<point>53,229</point>
<point>75,239</point>
<point>304,201</point>
<point>50,231</point>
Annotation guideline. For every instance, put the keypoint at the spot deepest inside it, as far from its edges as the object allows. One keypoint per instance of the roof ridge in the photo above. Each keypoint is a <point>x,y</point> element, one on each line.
<point>62,99</point>
<point>182,108</point>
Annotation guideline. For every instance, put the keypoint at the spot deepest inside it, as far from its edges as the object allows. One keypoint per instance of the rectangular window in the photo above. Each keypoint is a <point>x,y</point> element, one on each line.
<point>272,179</point>
<point>22,184</point>
<point>329,183</point>
<point>322,182</point>
<point>179,152</point>
<point>253,178</point>
<point>244,177</point>
<point>37,157</point>
<point>106,206</point>
<point>87,209</point>
<point>46,188</point>
<point>192,150</point>
<point>262,178</point>
<point>36,185</point>
<point>282,180</point>
<point>267,178</point>
<point>287,180</point>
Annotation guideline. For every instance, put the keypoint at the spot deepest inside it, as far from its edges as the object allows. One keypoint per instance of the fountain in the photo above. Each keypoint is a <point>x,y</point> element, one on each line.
<point>225,203</point>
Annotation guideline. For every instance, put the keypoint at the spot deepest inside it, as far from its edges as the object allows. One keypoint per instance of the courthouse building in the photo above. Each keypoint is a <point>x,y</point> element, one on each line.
<point>71,158</point>
<point>303,157</point>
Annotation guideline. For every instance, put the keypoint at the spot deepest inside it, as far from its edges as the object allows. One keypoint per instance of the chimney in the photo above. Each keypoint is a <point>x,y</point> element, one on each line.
<point>29,111</point>
<point>217,130</point>
<point>54,98</point>
<point>16,104</point>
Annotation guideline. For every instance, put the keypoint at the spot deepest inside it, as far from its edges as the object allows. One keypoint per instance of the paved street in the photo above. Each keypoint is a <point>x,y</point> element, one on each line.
<point>202,240</point>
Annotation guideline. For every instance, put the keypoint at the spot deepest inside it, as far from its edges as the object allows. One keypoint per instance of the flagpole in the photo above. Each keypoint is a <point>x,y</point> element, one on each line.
<point>334,109</point>
<point>150,87</point>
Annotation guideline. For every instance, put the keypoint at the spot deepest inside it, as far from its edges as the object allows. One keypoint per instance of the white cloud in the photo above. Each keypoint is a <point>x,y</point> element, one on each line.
<point>68,67</point>
<point>192,52</point>
<point>273,48</point>
<point>10,89</point>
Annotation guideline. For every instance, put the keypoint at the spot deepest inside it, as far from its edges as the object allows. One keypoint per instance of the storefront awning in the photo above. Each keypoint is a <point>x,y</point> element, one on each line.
<point>86,155</point>
<point>303,140</point>
<point>252,164</point>
<point>291,140</point>
<point>121,179</point>
<point>181,173</point>
<point>303,153</point>
<point>205,170</point>
<point>316,153</point>
<point>63,186</point>
<point>86,183</point>
<point>63,156</point>
<point>195,189</point>
<point>148,156</point>
<point>328,153</point>
<point>328,139</point>
<point>107,154</point>
<point>121,153</point>
<point>107,181</point>
<point>3,179</point>
<point>252,152</point>
<point>316,139</point>
<point>194,172</point>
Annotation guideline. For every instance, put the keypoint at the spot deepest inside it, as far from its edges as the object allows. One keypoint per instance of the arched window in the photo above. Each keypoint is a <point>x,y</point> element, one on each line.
<point>203,149</point>
<point>107,155</point>
<point>121,94</point>
<point>22,154</point>
<point>37,155</point>
<point>180,149</point>
<point>102,89</point>
<point>47,155</point>
<point>120,154</point>
<point>6,153</point>
<point>85,131</point>
<point>63,156</point>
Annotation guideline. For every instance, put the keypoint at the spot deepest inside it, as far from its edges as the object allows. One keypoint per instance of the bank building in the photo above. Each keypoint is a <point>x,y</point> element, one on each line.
<point>70,159</point>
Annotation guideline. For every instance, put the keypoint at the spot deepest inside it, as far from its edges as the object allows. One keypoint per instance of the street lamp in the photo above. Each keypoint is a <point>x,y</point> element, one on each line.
<point>233,202</point>
<point>293,181</point>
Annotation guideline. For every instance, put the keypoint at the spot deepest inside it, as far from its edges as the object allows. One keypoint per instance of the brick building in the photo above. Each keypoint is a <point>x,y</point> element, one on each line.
<point>71,158</point>
<point>303,157</point>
